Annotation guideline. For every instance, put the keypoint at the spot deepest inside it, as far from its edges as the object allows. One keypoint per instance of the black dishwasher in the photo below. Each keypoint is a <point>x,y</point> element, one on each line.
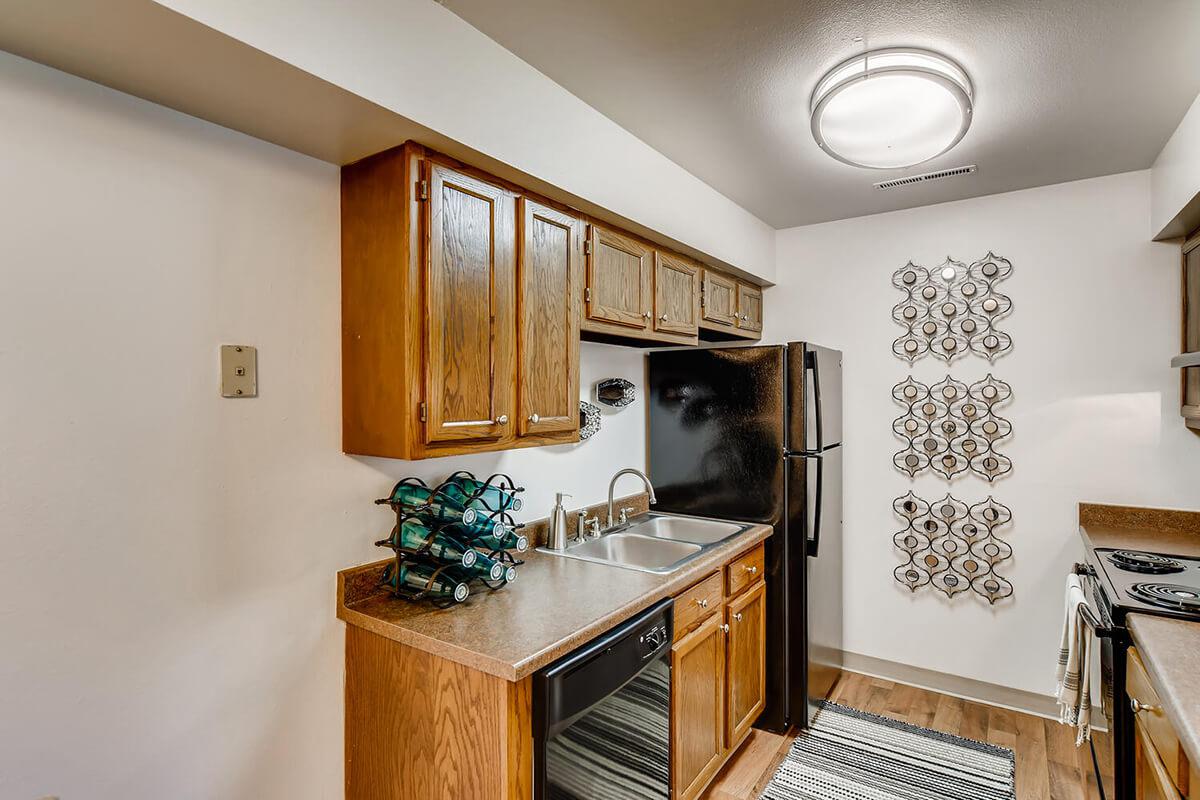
<point>602,715</point>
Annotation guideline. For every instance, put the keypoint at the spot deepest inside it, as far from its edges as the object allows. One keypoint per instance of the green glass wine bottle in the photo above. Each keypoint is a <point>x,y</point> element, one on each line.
<point>415,535</point>
<point>434,506</point>
<point>494,534</point>
<point>485,567</point>
<point>443,583</point>
<point>476,494</point>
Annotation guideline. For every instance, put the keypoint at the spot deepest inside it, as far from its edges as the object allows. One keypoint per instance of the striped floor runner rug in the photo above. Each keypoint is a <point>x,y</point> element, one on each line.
<point>853,755</point>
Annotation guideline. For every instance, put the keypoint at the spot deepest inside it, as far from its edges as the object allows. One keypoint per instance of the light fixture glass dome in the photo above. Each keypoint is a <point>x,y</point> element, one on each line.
<point>892,108</point>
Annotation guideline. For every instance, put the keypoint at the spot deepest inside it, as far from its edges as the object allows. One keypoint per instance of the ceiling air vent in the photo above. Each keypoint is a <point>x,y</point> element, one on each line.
<point>928,176</point>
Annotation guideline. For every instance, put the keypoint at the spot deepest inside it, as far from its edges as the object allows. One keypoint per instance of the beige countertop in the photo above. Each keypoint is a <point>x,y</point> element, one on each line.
<point>1170,649</point>
<point>555,605</point>
<point>1158,530</point>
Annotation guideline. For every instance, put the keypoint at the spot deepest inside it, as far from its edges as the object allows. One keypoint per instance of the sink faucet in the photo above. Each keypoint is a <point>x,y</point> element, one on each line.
<point>613,483</point>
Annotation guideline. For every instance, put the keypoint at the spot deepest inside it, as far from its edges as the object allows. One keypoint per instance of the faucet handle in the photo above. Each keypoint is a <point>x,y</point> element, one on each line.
<point>625,512</point>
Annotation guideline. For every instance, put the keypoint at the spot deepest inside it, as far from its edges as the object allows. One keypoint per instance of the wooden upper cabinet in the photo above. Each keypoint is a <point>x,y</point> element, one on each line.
<point>750,309</point>
<point>747,620</point>
<point>720,295</point>
<point>469,279</point>
<point>676,294</point>
<point>697,708</point>
<point>549,279</point>
<point>619,279</point>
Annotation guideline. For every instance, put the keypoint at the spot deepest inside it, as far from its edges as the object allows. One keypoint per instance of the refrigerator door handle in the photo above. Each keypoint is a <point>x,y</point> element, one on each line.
<point>811,364</point>
<point>817,501</point>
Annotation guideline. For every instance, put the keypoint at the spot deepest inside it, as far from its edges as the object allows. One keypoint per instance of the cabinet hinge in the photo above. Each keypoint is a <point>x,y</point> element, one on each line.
<point>702,297</point>
<point>422,190</point>
<point>587,294</point>
<point>424,413</point>
<point>587,247</point>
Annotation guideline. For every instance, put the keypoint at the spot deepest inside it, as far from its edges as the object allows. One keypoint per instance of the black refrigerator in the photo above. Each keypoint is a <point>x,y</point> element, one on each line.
<point>755,434</point>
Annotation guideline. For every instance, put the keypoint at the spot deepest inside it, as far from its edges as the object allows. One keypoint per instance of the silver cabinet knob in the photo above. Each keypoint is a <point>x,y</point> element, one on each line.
<point>535,419</point>
<point>663,318</point>
<point>1138,706</point>
<point>646,315</point>
<point>702,602</point>
<point>752,570</point>
<point>725,628</point>
<point>737,617</point>
<point>502,419</point>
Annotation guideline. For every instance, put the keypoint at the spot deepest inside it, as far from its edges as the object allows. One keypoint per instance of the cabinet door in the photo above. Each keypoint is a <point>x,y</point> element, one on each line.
<point>549,270</point>
<point>697,708</point>
<point>469,327</point>
<point>618,279</point>
<point>720,299</point>
<point>750,316</point>
<point>676,294</point>
<point>747,620</point>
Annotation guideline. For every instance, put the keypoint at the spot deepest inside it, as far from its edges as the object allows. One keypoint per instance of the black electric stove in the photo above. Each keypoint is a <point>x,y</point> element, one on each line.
<point>1119,583</point>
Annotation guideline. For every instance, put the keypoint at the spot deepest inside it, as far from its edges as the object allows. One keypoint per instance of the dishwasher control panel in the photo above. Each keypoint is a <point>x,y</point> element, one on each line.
<point>653,638</point>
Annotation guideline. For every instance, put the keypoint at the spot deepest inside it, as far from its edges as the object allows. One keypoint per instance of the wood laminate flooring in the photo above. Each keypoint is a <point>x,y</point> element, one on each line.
<point>1049,767</point>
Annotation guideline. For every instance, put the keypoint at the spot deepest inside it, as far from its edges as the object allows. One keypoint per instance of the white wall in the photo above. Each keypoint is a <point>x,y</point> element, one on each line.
<point>1095,409</point>
<point>420,60</point>
<point>1175,176</point>
<point>167,579</point>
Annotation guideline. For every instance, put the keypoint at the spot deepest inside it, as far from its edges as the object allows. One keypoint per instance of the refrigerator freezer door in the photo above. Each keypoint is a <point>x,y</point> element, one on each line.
<point>815,518</point>
<point>814,398</point>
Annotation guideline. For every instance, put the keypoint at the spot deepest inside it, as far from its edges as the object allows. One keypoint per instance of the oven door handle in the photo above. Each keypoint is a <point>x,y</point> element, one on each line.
<point>1086,613</point>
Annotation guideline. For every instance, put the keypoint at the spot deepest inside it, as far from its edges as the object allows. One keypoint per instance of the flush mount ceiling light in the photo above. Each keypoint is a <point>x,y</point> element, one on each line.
<point>891,108</point>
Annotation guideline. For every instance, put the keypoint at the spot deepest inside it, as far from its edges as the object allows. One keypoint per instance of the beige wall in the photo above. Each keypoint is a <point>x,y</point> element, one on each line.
<point>167,578</point>
<point>1095,405</point>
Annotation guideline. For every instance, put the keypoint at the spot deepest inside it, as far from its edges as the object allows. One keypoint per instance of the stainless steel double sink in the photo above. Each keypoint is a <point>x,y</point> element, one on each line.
<point>658,543</point>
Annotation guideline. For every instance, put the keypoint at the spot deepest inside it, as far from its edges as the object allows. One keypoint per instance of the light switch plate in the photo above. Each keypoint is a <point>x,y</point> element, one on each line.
<point>239,370</point>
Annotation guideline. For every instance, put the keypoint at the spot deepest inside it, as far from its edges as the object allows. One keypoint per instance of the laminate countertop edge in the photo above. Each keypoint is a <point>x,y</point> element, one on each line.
<point>631,592</point>
<point>1170,649</point>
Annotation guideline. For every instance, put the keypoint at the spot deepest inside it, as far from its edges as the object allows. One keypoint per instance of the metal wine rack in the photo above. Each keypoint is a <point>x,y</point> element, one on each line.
<point>951,427</point>
<point>953,547</point>
<point>952,310</point>
<point>435,525</point>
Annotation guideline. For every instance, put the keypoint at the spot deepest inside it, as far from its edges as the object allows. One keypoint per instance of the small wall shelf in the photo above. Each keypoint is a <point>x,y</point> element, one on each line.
<point>1184,360</point>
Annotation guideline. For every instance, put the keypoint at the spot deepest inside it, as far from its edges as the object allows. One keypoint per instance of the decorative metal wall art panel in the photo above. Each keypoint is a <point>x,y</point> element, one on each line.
<point>953,547</point>
<point>616,392</point>
<point>952,427</point>
<point>952,310</point>
<point>589,420</point>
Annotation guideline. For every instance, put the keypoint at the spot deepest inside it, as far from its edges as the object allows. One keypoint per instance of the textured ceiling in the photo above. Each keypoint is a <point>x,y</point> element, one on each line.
<point>1065,89</point>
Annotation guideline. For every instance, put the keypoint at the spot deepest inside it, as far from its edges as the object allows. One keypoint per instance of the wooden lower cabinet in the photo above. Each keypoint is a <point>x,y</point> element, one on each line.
<point>697,708</point>
<point>718,674</point>
<point>1163,770</point>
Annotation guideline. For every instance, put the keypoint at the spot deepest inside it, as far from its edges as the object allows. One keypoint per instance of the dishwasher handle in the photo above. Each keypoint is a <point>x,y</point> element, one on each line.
<point>569,687</point>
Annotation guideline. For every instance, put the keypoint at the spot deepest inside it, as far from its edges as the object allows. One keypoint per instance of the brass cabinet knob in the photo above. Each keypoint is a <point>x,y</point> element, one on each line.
<point>737,617</point>
<point>502,419</point>
<point>535,419</point>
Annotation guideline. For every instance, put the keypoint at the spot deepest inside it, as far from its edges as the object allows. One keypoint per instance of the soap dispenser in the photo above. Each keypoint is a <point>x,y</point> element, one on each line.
<point>557,538</point>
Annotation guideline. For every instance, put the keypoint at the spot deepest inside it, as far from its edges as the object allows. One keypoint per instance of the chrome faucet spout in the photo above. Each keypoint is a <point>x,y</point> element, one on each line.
<point>613,484</point>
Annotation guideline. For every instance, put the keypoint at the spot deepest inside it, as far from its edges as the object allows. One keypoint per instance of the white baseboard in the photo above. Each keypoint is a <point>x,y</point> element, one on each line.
<point>1039,705</point>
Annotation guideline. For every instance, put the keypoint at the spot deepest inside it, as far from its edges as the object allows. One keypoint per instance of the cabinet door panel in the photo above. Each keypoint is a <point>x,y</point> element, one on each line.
<point>720,299</point>
<point>697,708</point>
<point>470,269</point>
<point>548,291</point>
<point>619,279</point>
<point>676,295</point>
<point>747,620</point>
<point>750,316</point>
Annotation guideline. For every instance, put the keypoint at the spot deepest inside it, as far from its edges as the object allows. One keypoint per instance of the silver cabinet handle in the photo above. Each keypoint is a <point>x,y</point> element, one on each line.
<point>702,602</point>
<point>752,570</point>
<point>737,617</point>
<point>535,419</point>
<point>725,627</point>
<point>646,315</point>
<point>663,318</point>
<point>1138,706</point>
<point>502,419</point>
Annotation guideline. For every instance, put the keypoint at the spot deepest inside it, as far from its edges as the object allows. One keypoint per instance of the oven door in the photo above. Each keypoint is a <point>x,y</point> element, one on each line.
<point>1112,680</point>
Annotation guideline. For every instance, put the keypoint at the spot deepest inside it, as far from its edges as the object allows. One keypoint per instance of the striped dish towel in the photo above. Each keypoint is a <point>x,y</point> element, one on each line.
<point>1074,691</point>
